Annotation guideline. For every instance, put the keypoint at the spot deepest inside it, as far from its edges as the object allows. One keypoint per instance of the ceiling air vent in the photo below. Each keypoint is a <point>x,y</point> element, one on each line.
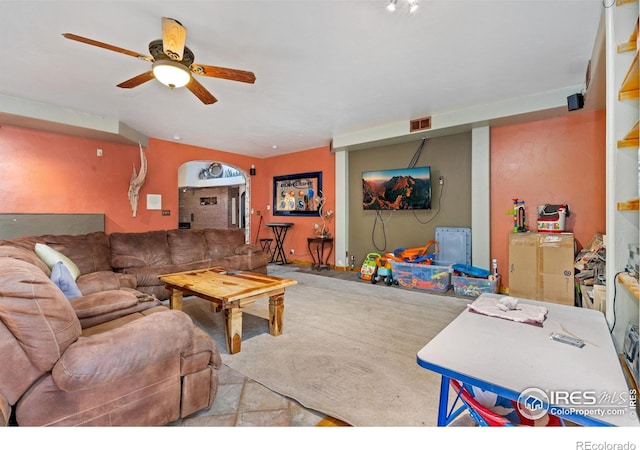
<point>424,123</point>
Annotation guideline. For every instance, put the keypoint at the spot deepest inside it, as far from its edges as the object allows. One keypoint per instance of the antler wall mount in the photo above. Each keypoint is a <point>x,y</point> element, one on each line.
<point>172,62</point>
<point>136,182</point>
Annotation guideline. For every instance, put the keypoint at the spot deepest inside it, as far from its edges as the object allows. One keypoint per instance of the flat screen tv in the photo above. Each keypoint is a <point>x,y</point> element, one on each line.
<point>397,189</point>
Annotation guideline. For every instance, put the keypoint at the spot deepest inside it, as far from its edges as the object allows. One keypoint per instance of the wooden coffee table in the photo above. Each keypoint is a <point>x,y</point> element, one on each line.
<point>230,291</point>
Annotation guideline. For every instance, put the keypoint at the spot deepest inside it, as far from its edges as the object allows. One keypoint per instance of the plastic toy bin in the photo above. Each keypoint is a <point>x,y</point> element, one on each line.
<point>423,277</point>
<point>455,244</point>
<point>473,287</point>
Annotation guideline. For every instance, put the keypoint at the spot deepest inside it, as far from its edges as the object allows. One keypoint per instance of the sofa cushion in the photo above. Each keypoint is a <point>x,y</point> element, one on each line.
<point>51,256</point>
<point>149,248</point>
<point>103,303</point>
<point>105,358</point>
<point>223,242</point>
<point>112,318</point>
<point>98,282</point>
<point>23,254</point>
<point>90,252</point>
<point>187,246</point>
<point>36,312</point>
<point>62,278</point>
<point>148,276</point>
<point>253,262</point>
<point>28,242</point>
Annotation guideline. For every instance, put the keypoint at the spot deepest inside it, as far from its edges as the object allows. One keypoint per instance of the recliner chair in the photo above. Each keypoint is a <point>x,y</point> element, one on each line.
<point>144,369</point>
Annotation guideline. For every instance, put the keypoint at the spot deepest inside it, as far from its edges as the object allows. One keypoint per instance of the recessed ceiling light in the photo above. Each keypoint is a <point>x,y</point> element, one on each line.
<point>177,137</point>
<point>274,147</point>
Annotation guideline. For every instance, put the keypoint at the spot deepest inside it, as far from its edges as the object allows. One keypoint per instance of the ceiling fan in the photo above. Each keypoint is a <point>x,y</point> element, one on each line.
<point>172,62</point>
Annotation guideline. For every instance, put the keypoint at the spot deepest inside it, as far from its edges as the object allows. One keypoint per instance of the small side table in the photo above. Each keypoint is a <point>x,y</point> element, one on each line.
<point>316,247</point>
<point>279,232</point>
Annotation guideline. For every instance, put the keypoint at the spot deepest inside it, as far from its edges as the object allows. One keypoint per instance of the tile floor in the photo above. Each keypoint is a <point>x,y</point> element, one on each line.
<point>241,402</point>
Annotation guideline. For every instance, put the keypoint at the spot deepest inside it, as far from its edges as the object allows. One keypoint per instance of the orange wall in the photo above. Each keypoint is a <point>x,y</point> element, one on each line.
<point>560,160</point>
<point>314,160</point>
<point>44,172</point>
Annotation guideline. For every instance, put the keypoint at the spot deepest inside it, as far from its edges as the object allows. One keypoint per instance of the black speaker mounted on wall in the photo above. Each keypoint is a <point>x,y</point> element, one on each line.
<point>575,101</point>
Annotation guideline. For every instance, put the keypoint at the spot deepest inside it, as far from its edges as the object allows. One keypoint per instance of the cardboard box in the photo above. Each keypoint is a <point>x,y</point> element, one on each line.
<point>523,265</point>
<point>600,297</point>
<point>594,297</point>
<point>556,281</point>
<point>541,266</point>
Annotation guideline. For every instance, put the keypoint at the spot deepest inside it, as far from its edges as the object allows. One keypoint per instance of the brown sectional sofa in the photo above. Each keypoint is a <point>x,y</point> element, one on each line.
<point>134,260</point>
<point>115,355</point>
<point>149,254</point>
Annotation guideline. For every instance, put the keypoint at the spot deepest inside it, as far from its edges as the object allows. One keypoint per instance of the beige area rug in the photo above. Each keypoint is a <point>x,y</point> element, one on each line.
<point>348,349</point>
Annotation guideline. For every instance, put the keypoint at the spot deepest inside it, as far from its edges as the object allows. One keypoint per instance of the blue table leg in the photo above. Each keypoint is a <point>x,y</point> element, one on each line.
<point>444,402</point>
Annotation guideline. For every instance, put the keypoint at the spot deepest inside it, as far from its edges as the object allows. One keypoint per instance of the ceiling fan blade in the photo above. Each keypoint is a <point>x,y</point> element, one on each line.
<point>137,80</point>
<point>174,36</point>
<point>85,40</point>
<point>199,91</point>
<point>223,72</point>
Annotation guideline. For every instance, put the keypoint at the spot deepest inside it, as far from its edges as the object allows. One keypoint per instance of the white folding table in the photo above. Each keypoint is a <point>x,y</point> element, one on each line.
<point>509,358</point>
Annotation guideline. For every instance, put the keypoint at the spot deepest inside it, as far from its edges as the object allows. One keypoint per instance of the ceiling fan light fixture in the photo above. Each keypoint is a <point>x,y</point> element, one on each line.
<point>171,73</point>
<point>413,6</point>
<point>392,6</point>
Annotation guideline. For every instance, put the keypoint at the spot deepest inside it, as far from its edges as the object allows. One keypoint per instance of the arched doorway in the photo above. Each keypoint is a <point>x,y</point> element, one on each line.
<point>213,194</point>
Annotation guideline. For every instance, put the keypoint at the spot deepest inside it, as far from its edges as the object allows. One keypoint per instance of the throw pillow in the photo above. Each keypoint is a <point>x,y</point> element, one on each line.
<point>51,257</point>
<point>61,276</point>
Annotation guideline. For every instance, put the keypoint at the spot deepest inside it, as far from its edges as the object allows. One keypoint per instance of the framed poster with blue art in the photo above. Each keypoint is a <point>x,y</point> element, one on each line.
<point>294,195</point>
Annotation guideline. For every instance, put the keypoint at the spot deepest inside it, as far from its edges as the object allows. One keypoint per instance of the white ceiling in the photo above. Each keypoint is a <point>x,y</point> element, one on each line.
<point>323,67</point>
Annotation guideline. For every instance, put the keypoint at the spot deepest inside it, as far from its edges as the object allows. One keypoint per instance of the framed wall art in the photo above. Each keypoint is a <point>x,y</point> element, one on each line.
<point>297,195</point>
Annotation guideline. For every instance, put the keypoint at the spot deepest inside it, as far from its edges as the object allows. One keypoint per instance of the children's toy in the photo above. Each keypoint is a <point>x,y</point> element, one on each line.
<point>418,255</point>
<point>552,218</point>
<point>473,281</point>
<point>471,271</point>
<point>427,277</point>
<point>368,266</point>
<point>382,271</point>
<point>519,216</point>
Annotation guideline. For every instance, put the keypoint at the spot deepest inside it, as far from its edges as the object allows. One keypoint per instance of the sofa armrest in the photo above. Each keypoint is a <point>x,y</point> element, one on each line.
<point>110,356</point>
<point>202,352</point>
<point>100,303</point>
<point>104,281</point>
<point>245,257</point>
<point>247,249</point>
<point>127,280</point>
